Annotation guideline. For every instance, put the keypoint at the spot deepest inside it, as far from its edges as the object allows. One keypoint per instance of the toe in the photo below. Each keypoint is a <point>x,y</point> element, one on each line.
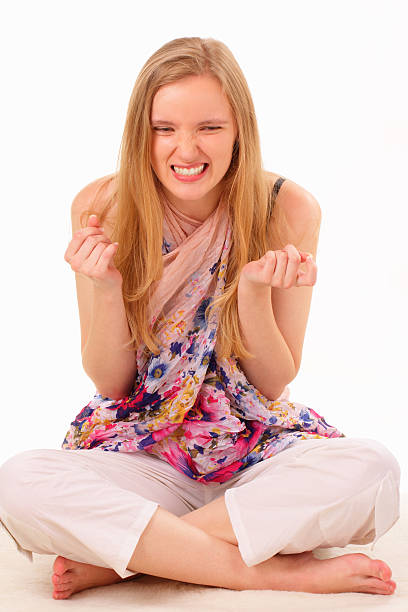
<point>62,587</point>
<point>62,594</point>
<point>379,585</point>
<point>64,578</point>
<point>381,570</point>
<point>61,565</point>
<point>376,591</point>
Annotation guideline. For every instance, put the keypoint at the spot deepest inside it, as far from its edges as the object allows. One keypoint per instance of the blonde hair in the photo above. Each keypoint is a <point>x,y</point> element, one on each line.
<point>136,191</point>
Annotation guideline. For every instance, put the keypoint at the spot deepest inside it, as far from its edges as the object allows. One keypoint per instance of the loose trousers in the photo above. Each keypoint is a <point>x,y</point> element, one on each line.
<point>92,505</point>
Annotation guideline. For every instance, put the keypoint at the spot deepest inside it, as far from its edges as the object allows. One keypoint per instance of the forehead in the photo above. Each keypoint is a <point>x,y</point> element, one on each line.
<point>190,97</point>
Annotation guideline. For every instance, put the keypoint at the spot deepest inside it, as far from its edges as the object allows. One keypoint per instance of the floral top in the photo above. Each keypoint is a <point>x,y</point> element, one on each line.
<point>188,407</point>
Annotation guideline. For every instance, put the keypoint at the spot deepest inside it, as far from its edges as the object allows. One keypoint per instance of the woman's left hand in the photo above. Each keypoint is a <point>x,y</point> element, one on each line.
<point>281,269</point>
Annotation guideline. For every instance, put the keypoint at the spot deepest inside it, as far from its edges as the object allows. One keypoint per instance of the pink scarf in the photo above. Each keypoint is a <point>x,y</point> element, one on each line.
<point>192,245</point>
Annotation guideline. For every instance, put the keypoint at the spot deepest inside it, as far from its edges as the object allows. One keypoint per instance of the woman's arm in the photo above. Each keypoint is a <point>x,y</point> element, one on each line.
<point>274,320</point>
<point>103,321</point>
<point>273,366</point>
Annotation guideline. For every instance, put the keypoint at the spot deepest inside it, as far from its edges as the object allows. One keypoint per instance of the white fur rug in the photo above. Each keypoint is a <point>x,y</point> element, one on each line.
<point>27,587</point>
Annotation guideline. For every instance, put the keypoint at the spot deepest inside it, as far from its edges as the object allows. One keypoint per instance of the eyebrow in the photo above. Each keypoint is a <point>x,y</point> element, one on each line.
<point>206,122</point>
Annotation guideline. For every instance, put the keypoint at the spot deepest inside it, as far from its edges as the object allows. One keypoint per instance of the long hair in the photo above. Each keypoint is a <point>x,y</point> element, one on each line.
<point>135,191</point>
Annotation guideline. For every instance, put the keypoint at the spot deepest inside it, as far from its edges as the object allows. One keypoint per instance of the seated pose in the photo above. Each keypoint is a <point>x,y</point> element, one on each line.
<point>194,271</point>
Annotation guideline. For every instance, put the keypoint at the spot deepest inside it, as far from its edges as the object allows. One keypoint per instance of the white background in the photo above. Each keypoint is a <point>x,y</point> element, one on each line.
<point>328,81</point>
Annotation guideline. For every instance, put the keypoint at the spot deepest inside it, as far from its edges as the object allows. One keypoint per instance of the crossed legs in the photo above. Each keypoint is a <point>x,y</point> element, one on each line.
<point>213,518</point>
<point>201,547</point>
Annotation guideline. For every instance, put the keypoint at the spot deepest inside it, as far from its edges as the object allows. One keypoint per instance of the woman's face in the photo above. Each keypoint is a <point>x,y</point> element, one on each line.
<point>192,125</point>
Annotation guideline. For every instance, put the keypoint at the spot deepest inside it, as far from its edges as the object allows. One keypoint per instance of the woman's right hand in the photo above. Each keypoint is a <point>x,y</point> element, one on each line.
<point>90,253</point>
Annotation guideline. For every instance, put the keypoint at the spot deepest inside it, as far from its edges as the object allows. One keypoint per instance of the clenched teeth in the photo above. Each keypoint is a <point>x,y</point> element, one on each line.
<point>189,171</point>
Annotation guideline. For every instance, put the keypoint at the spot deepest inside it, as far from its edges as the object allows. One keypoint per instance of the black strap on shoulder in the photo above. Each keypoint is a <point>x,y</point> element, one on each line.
<point>277,185</point>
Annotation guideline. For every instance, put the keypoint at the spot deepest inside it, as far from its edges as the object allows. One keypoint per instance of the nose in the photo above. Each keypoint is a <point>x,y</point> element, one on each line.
<point>187,146</point>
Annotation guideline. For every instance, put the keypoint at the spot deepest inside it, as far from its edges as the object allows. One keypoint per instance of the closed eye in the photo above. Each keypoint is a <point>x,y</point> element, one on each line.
<point>165,129</point>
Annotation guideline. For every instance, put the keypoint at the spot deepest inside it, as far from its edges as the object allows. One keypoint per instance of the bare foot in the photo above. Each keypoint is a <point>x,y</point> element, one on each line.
<point>354,572</point>
<point>72,576</point>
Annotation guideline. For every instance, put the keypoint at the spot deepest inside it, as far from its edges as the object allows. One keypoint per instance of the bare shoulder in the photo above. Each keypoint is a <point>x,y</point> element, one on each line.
<point>96,194</point>
<point>300,207</point>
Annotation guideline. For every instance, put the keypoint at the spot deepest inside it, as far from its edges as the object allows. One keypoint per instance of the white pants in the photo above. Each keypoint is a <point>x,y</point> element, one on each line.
<point>92,505</point>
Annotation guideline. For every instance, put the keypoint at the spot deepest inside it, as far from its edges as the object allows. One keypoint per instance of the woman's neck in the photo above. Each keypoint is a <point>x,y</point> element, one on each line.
<point>195,210</point>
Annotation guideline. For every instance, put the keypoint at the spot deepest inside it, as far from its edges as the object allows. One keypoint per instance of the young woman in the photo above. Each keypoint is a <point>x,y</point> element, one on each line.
<point>194,271</point>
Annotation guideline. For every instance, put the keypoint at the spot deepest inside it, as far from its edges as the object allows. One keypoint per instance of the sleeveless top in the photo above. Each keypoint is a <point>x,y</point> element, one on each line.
<point>276,186</point>
<point>273,195</point>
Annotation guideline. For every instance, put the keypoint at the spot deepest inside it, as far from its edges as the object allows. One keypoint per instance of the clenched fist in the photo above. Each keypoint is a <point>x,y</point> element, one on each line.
<point>90,253</point>
<point>281,269</point>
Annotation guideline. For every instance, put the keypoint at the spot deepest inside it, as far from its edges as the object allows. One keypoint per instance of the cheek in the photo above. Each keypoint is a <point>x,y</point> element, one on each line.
<point>156,155</point>
<point>219,150</point>
<point>161,149</point>
<point>223,153</point>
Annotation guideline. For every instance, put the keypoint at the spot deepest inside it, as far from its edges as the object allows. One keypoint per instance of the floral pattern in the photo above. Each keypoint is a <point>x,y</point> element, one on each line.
<point>189,408</point>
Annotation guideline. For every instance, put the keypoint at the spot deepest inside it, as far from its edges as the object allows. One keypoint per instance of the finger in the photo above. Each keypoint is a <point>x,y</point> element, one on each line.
<point>88,231</point>
<point>305,255</point>
<point>270,260</point>
<point>93,221</point>
<point>106,258</point>
<point>280,269</point>
<point>308,277</point>
<point>292,268</point>
<point>79,238</point>
<point>85,247</point>
<point>90,264</point>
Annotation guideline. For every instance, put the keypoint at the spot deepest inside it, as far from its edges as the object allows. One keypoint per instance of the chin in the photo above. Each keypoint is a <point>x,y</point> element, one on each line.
<point>189,193</point>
